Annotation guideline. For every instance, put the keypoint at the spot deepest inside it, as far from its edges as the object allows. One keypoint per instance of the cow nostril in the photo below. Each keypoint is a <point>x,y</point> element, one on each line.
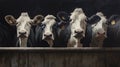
<point>45,35</point>
<point>98,33</point>
<point>81,32</point>
<point>103,32</point>
<point>50,35</point>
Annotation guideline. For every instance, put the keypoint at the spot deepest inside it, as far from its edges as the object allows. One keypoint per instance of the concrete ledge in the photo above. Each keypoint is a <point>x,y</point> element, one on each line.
<point>59,57</point>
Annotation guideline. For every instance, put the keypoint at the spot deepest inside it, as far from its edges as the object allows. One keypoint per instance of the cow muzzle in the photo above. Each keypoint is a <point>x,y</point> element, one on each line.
<point>22,34</point>
<point>48,36</point>
<point>79,33</point>
<point>101,36</point>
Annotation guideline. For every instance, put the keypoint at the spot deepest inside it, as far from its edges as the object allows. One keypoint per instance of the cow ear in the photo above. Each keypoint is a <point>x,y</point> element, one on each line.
<point>63,16</point>
<point>10,20</point>
<point>113,22</point>
<point>37,19</point>
<point>93,19</point>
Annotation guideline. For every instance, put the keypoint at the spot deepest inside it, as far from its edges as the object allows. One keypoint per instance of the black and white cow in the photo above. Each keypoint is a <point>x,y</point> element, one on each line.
<point>96,30</point>
<point>45,32</point>
<point>72,32</point>
<point>77,28</point>
<point>113,32</point>
<point>24,24</point>
<point>62,30</point>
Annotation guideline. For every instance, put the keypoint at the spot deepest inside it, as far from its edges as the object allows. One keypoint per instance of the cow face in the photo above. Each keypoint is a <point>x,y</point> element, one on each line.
<point>78,24</point>
<point>99,28</point>
<point>113,21</point>
<point>23,23</point>
<point>49,21</point>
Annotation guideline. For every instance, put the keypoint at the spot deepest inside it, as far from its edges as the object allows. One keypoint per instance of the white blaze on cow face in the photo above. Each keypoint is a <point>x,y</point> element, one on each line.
<point>78,27</point>
<point>99,29</point>
<point>49,21</point>
<point>78,24</point>
<point>23,25</point>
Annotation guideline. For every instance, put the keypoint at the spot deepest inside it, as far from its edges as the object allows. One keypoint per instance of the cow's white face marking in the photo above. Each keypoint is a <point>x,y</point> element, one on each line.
<point>78,27</point>
<point>100,28</point>
<point>78,24</point>
<point>49,21</point>
<point>23,25</point>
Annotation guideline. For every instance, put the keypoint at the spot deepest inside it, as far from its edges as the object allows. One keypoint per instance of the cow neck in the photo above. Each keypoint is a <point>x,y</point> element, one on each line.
<point>96,42</point>
<point>50,42</point>
<point>74,42</point>
<point>78,43</point>
<point>64,28</point>
<point>23,42</point>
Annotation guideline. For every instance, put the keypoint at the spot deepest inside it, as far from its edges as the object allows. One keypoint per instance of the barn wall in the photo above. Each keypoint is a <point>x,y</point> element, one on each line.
<point>59,57</point>
<point>44,7</point>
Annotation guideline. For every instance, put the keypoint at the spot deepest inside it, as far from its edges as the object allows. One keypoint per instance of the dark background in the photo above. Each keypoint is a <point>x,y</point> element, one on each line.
<point>44,7</point>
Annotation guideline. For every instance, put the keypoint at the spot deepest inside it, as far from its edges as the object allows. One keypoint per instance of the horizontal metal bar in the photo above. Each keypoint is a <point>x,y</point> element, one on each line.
<point>60,49</point>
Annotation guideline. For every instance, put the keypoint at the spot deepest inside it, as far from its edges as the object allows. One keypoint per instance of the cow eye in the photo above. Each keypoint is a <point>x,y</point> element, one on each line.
<point>43,26</point>
<point>18,24</point>
<point>30,22</point>
<point>106,23</point>
<point>93,25</point>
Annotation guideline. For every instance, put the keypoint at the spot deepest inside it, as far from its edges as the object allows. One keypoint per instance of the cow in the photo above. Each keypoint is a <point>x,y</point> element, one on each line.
<point>96,30</point>
<point>77,28</point>
<point>62,29</point>
<point>23,26</point>
<point>45,32</point>
<point>113,30</point>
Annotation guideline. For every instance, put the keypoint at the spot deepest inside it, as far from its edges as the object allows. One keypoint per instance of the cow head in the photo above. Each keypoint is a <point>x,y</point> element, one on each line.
<point>23,23</point>
<point>99,27</point>
<point>77,28</point>
<point>78,24</point>
<point>113,20</point>
<point>49,22</point>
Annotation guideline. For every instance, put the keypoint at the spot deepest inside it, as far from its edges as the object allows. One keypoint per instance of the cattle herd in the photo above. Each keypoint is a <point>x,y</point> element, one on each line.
<point>70,30</point>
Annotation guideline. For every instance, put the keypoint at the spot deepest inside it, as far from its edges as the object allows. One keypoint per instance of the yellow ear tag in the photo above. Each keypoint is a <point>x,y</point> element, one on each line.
<point>63,18</point>
<point>113,22</point>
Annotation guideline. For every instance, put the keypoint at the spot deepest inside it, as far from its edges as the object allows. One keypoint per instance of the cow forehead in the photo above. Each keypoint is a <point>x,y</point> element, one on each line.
<point>100,23</point>
<point>78,10</point>
<point>49,19</point>
<point>101,15</point>
<point>76,13</point>
<point>23,17</point>
<point>78,17</point>
<point>49,23</point>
